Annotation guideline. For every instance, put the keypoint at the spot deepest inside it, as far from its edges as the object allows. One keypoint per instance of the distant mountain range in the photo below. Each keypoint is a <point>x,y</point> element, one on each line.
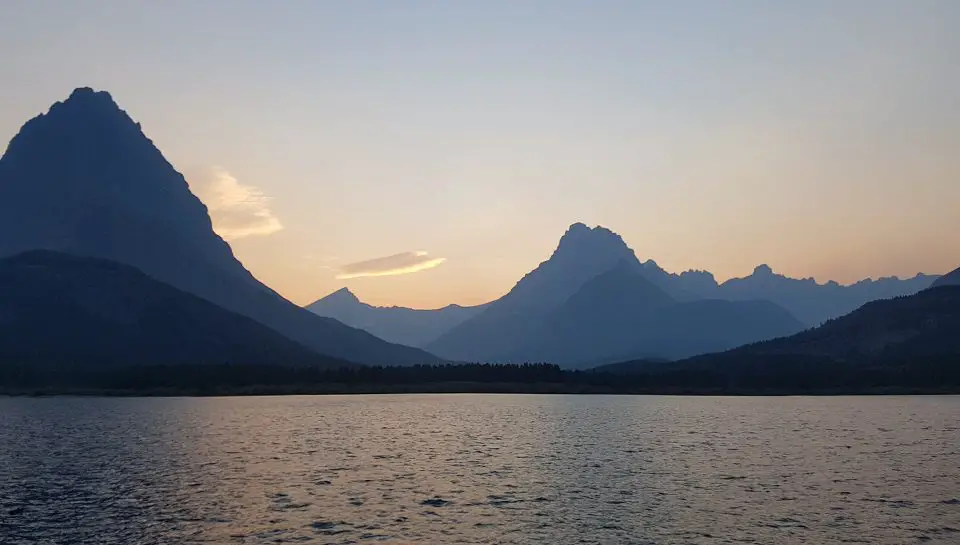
<point>619,314</point>
<point>83,179</point>
<point>810,302</point>
<point>920,325</point>
<point>814,303</point>
<point>131,267</point>
<point>909,331</point>
<point>408,326</point>
<point>69,313</point>
<point>593,301</point>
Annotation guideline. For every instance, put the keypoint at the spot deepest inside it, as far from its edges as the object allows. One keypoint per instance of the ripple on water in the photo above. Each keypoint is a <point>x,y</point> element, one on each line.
<point>479,469</point>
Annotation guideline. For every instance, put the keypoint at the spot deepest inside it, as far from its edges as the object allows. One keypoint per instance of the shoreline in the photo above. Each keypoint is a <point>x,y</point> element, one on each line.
<point>466,388</point>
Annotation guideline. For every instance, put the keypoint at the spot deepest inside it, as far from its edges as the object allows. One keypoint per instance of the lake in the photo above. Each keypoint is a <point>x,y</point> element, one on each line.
<point>480,469</point>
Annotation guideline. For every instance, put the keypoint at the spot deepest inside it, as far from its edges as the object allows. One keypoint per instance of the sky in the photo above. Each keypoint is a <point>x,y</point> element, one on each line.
<point>432,152</point>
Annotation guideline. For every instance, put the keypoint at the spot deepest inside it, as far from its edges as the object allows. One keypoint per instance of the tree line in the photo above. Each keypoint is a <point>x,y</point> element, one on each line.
<point>762,375</point>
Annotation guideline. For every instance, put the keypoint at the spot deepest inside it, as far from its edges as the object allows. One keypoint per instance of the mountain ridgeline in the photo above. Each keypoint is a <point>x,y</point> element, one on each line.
<point>620,314</point>
<point>814,303</point>
<point>62,315</point>
<point>408,326</point>
<point>890,342</point>
<point>83,179</point>
<point>108,260</point>
<point>593,301</point>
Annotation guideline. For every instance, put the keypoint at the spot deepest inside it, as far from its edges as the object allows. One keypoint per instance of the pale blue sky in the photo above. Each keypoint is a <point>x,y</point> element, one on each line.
<point>819,137</point>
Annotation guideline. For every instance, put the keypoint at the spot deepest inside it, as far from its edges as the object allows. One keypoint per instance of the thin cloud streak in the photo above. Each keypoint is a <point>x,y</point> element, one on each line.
<point>237,210</point>
<point>404,263</point>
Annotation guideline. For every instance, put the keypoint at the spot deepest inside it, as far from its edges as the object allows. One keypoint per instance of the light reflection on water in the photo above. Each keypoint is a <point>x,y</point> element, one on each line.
<point>480,469</point>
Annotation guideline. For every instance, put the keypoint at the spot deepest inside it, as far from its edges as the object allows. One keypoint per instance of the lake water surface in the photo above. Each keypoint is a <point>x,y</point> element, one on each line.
<point>480,469</point>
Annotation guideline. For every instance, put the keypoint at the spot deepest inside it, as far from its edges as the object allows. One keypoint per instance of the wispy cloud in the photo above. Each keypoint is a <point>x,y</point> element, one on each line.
<point>405,263</point>
<point>237,210</point>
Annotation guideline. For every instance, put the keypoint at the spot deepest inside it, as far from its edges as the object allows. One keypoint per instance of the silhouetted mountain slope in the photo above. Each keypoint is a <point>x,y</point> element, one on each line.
<point>84,179</point>
<point>594,301</point>
<point>950,279</point>
<point>620,314</point>
<point>582,254</point>
<point>924,327</point>
<point>923,324</point>
<point>78,314</point>
<point>413,327</point>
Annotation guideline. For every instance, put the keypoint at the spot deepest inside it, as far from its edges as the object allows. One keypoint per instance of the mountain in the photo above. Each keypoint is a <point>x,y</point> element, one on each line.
<point>812,303</point>
<point>950,279</point>
<point>923,324</point>
<point>582,254</point>
<point>620,314</point>
<point>84,179</point>
<point>909,331</point>
<point>688,285</point>
<point>413,327</point>
<point>593,300</point>
<point>76,314</point>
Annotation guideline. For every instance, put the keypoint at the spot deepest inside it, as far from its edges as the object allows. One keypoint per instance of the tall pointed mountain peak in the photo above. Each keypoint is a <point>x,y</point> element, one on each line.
<point>87,157</point>
<point>343,295</point>
<point>84,179</point>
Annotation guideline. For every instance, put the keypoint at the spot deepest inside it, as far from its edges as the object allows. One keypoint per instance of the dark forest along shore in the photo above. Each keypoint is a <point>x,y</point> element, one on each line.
<point>514,469</point>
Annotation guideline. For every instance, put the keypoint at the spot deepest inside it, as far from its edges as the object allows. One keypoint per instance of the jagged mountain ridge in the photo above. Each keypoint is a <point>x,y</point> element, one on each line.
<point>919,327</point>
<point>413,327</point>
<point>902,340</point>
<point>593,300</point>
<point>815,303</point>
<point>621,314</point>
<point>587,252</point>
<point>809,301</point>
<point>84,179</point>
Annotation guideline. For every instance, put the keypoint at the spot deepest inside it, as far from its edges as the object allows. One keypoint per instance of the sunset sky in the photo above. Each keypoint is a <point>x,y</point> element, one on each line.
<point>426,153</point>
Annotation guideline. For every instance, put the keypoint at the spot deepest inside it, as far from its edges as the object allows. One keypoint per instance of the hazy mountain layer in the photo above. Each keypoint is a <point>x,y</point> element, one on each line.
<point>908,330</point>
<point>584,253</point>
<point>812,303</point>
<point>412,327</point>
<point>593,301</point>
<point>620,314</point>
